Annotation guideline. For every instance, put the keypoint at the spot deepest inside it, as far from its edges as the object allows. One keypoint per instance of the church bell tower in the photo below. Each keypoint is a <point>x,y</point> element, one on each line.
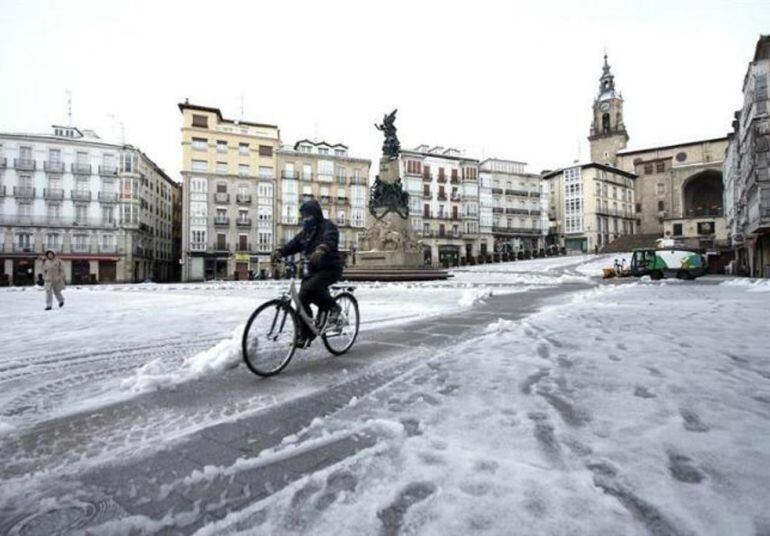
<point>608,131</point>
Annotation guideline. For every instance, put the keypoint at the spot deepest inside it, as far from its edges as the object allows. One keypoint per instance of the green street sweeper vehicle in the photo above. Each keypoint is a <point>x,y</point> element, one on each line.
<point>668,262</point>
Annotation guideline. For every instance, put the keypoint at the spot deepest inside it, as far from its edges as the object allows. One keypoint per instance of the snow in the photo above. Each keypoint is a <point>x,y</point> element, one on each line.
<point>565,425</point>
<point>631,407</point>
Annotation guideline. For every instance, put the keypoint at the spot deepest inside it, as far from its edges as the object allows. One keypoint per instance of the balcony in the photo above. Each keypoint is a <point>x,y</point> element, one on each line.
<point>24,164</point>
<point>326,199</point>
<point>221,221</point>
<point>441,178</point>
<point>53,194</point>
<point>27,192</point>
<point>427,177</point>
<point>516,230</point>
<point>359,181</point>
<point>516,211</point>
<point>289,175</point>
<point>2,191</point>
<point>426,195</point>
<point>221,197</point>
<point>221,247</point>
<point>497,210</point>
<point>341,180</point>
<point>197,246</point>
<point>497,191</point>
<point>108,248</point>
<point>80,248</point>
<point>81,169</point>
<point>108,197</point>
<point>534,212</point>
<point>456,197</point>
<point>454,180</point>
<point>243,247</point>
<point>534,194</point>
<point>80,195</point>
<point>306,177</point>
<point>25,248</point>
<point>53,167</point>
<point>522,193</point>
<point>307,197</point>
<point>441,196</point>
<point>243,222</point>
<point>3,163</point>
<point>243,199</point>
<point>342,200</point>
<point>108,171</point>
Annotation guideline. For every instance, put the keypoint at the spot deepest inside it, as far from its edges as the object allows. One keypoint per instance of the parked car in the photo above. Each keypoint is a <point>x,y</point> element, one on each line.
<point>668,262</point>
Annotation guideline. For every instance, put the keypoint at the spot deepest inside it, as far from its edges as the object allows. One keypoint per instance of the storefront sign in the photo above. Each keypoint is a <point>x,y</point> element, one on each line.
<point>242,257</point>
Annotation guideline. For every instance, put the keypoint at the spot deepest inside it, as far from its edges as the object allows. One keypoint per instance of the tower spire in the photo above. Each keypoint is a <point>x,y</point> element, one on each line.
<point>606,81</point>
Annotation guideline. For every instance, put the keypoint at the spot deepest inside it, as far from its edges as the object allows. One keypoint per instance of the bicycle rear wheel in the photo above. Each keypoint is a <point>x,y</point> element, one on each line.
<point>339,338</point>
<point>269,338</point>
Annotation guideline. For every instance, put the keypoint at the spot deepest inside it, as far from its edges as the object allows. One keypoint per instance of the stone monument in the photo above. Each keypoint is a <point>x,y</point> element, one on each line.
<point>389,248</point>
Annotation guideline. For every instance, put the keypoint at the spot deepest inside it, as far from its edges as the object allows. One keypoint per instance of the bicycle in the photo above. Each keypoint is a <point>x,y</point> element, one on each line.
<point>272,332</point>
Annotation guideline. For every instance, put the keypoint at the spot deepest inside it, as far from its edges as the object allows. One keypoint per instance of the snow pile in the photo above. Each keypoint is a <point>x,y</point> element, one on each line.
<point>157,373</point>
<point>500,326</point>
<point>472,296</point>
<point>752,285</point>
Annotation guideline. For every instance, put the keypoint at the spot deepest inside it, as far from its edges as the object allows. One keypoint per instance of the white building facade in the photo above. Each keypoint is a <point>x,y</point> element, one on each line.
<point>512,209</point>
<point>443,192</point>
<point>106,209</point>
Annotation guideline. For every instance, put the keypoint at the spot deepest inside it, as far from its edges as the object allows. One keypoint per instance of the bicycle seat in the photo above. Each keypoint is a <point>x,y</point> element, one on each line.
<point>348,288</point>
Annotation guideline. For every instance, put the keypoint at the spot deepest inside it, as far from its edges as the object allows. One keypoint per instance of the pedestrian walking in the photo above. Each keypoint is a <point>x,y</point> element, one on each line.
<point>53,277</point>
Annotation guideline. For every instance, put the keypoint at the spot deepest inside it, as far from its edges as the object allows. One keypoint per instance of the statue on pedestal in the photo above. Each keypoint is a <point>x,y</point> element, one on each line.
<point>390,147</point>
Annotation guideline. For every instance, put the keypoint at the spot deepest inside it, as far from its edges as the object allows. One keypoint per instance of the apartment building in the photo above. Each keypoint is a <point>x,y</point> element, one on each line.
<point>228,167</point>
<point>511,208</point>
<point>591,205</point>
<point>327,173</point>
<point>444,202</point>
<point>747,170</point>
<point>107,209</point>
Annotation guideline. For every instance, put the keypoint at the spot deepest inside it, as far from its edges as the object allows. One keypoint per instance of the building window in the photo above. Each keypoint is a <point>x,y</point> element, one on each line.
<point>677,229</point>
<point>661,205</point>
<point>660,166</point>
<point>265,150</point>
<point>199,144</point>
<point>265,172</point>
<point>243,170</point>
<point>638,207</point>
<point>243,149</point>
<point>199,165</point>
<point>339,152</point>
<point>222,168</point>
<point>648,169</point>
<point>201,121</point>
<point>323,150</point>
<point>221,146</point>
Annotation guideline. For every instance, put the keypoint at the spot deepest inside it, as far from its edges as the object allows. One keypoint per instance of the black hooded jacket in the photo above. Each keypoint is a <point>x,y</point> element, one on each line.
<point>325,233</point>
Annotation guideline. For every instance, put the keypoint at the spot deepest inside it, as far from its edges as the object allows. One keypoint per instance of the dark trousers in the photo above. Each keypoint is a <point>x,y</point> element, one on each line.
<point>315,289</point>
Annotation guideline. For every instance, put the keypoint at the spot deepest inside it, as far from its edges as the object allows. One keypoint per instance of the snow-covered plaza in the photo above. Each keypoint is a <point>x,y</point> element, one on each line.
<point>520,398</point>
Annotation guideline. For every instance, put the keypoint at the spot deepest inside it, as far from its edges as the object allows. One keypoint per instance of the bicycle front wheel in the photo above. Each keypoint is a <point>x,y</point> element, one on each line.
<point>339,338</point>
<point>269,338</point>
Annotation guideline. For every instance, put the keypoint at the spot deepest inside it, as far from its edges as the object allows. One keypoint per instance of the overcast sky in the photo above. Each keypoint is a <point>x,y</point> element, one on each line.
<point>507,79</point>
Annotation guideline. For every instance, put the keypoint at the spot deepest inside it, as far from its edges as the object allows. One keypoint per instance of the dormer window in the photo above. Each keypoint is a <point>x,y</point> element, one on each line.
<point>323,150</point>
<point>339,152</point>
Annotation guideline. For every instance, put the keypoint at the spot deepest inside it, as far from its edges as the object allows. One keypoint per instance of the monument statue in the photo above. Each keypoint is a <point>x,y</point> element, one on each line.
<point>390,147</point>
<point>389,248</point>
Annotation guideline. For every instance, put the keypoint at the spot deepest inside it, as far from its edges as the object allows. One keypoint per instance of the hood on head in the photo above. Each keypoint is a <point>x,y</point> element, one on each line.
<point>313,208</point>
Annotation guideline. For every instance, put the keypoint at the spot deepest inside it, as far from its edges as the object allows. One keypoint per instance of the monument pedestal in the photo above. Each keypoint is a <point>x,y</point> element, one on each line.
<point>390,251</point>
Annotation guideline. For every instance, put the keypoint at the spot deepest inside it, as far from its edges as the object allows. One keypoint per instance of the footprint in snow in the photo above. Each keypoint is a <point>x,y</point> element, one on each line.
<point>692,421</point>
<point>682,469</point>
<point>643,392</point>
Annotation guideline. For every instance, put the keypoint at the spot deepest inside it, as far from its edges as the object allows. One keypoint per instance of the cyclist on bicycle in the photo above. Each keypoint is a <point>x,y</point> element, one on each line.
<point>318,241</point>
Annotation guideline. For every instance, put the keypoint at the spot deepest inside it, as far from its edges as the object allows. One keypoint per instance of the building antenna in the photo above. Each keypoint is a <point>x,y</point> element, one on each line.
<point>69,107</point>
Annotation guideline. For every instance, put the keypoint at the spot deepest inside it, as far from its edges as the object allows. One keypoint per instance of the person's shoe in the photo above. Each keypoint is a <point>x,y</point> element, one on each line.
<point>302,343</point>
<point>333,318</point>
<point>48,308</point>
<point>61,304</point>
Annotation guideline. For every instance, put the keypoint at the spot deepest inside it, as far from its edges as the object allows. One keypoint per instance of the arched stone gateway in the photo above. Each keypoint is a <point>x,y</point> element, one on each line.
<point>702,194</point>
